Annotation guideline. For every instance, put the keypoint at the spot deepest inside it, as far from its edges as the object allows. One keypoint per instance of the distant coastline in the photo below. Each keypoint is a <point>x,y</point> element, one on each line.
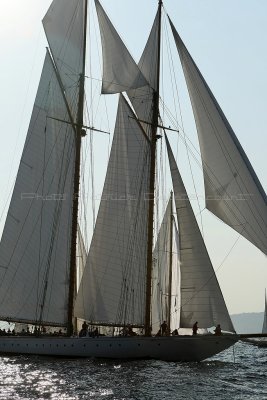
<point>248,322</point>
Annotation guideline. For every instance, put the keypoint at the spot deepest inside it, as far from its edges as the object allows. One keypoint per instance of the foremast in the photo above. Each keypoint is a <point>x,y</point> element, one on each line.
<point>76,184</point>
<point>155,115</point>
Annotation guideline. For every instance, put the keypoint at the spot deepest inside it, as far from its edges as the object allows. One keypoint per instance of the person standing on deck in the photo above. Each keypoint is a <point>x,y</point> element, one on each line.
<point>195,328</point>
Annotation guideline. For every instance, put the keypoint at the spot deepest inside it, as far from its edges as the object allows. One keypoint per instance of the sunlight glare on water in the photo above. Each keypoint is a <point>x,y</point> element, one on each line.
<point>236,375</point>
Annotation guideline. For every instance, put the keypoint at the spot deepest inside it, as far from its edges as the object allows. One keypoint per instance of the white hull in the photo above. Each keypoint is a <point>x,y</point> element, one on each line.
<point>178,348</point>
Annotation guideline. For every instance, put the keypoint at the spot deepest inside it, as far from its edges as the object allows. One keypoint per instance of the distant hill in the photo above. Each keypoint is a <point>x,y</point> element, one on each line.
<point>248,322</point>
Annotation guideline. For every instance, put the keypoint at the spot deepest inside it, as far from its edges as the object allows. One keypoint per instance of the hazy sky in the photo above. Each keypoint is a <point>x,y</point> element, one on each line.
<point>226,38</point>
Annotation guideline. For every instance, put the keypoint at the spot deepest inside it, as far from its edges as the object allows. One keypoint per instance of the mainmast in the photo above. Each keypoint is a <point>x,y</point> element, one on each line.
<point>76,186</point>
<point>152,185</point>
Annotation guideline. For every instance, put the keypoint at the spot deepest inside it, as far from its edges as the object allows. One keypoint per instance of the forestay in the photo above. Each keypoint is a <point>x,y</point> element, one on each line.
<point>233,191</point>
<point>120,72</point>
<point>34,251</point>
<point>64,28</point>
<point>201,297</point>
<point>112,289</point>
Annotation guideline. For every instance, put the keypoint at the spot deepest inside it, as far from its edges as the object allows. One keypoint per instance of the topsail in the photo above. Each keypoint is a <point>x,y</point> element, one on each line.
<point>233,191</point>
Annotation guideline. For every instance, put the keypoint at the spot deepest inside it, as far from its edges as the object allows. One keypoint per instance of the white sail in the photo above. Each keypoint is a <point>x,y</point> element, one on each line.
<point>264,327</point>
<point>120,72</point>
<point>64,28</point>
<point>142,98</point>
<point>35,246</point>
<point>233,191</point>
<point>201,297</point>
<point>163,264</point>
<point>112,289</point>
<point>176,281</point>
<point>81,257</point>
<point>161,272</point>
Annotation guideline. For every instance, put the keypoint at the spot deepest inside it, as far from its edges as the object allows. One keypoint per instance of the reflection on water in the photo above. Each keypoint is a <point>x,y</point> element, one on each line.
<point>238,374</point>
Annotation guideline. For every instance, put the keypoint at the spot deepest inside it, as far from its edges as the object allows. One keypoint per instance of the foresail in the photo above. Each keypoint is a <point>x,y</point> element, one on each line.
<point>176,281</point>
<point>34,251</point>
<point>161,274</point>
<point>233,191</point>
<point>201,297</point>
<point>120,72</point>
<point>112,289</point>
<point>142,98</point>
<point>64,28</point>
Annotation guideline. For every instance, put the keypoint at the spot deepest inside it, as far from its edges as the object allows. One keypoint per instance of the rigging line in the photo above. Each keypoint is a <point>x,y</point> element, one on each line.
<point>91,161</point>
<point>33,230</point>
<point>98,46</point>
<point>173,81</point>
<point>173,75</point>
<point>206,168</point>
<point>85,206</point>
<point>56,223</point>
<point>211,277</point>
<point>20,122</point>
<point>38,184</point>
<point>34,283</point>
<point>134,232</point>
<point>41,226</point>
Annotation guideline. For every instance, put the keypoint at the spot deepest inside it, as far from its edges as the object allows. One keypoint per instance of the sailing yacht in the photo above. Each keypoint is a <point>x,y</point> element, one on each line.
<point>128,279</point>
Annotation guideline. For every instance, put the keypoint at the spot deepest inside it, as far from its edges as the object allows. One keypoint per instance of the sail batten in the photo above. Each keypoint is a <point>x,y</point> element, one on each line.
<point>233,191</point>
<point>201,297</point>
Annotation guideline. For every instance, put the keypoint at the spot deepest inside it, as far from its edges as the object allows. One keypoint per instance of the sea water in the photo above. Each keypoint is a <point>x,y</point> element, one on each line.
<point>238,373</point>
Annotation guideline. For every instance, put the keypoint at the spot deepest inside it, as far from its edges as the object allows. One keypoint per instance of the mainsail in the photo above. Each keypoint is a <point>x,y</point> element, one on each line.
<point>112,289</point>
<point>233,191</point>
<point>201,297</point>
<point>120,72</point>
<point>35,246</point>
<point>166,266</point>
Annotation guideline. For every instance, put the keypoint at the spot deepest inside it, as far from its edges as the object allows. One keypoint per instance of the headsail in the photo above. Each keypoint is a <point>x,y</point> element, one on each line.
<point>64,28</point>
<point>120,72</point>
<point>201,297</point>
<point>233,191</point>
<point>161,274</point>
<point>34,251</point>
<point>112,290</point>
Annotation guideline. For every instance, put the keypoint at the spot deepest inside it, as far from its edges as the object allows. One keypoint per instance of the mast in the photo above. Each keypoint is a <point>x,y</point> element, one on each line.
<point>152,186</point>
<point>170,266</point>
<point>76,186</point>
